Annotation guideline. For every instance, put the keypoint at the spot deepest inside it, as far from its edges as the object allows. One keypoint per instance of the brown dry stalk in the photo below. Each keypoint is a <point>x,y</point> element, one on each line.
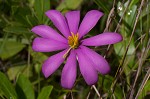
<point>139,67</point>
<point>120,70</point>
<point>142,59</point>
<point>109,19</point>
<point>118,25</point>
<point>147,76</point>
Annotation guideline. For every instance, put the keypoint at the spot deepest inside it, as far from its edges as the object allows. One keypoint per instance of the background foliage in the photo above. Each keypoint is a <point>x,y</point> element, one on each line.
<point>20,66</point>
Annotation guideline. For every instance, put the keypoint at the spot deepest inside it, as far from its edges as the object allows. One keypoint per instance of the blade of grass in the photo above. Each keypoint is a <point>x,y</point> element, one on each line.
<point>147,76</point>
<point>120,70</point>
<point>100,4</point>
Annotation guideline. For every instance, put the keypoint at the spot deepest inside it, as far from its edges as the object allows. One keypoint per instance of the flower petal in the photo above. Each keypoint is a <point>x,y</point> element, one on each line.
<point>47,45</point>
<point>73,18</point>
<point>100,63</point>
<point>69,71</point>
<point>47,32</point>
<point>86,67</point>
<point>53,63</point>
<point>102,39</point>
<point>89,21</point>
<point>59,21</point>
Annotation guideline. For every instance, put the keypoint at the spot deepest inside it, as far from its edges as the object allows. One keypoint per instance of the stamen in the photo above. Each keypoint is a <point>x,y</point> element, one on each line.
<point>73,42</point>
<point>66,54</point>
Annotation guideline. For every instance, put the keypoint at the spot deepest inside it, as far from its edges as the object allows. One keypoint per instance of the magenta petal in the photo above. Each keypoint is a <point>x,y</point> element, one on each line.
<point>47,45</point>
<point>47,32</point>
<point>89,21</point>
<point>69,71</point>
<point>59,21</point>
<point>86,68</point>
<point>73,18</point>
<point>102,39</point>
<point>53,63</point>
<point>100,63</point>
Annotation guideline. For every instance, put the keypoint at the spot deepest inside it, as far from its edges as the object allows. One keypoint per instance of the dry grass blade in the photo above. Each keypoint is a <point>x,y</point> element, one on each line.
<point>122,16</point>
<point>142,59</point>
<point>97,92</point>
<point>147,76</point>
<point>148,72</point>
<point>89,94</point>
<point>120,70</point>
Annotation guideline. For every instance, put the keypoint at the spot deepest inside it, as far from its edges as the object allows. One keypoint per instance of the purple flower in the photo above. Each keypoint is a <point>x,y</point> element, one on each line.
<point>73,45</point>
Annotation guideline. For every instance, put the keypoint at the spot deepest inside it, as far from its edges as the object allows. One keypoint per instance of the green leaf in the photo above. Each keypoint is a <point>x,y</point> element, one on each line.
<point>7,88</point>
<point>107,81</point>
<point>73,4</point>
<point>120,48</point>
<point>19,14</point>
<point>10,48</point>
<point>126,28</point>
<point>145,90</point>
<point>24,88</point>
<point>45,93</point>
<point>14,71</point>
<point>32,20</point>
<point>31,2</point>
<point>41,6</point>
<point>17,30</point>
<point>69,5</point>
<point>38,68</point>
<point>129,17</point>
<point>145,12</point>
<point>102,5</point>
<point>133,2</point>
<point>38,57</point>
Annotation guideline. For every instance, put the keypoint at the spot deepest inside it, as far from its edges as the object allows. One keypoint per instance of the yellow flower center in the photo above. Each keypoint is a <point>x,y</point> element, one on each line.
<point>73,40</point>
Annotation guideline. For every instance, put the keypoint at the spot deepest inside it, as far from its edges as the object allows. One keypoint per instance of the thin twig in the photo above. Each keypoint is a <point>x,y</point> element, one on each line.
<point>143,58</point>
<point>147,76</point>
<point>113,85</point>
<point>64,97</point>
<point>109,19</point>
<point>120,70</point>
<point>139,68</point>
<point>71,95</point>
<point>122,16</point>
<point>97,92</point>
<point>89,94</point>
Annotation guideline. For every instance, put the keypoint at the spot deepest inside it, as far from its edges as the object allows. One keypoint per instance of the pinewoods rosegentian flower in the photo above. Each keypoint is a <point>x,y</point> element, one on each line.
<point>74,47</point>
